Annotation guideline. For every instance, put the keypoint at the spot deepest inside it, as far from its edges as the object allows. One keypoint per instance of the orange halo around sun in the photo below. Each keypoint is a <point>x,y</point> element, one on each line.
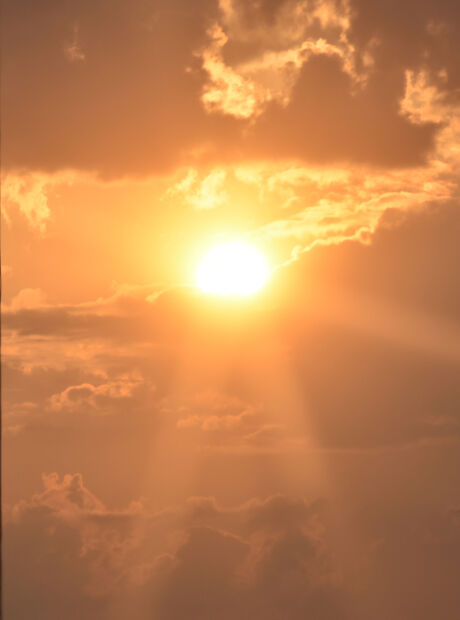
<point>234,268</point>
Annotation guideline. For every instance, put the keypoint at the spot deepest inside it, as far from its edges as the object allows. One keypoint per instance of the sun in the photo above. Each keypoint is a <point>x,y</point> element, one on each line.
<point>234,268</point>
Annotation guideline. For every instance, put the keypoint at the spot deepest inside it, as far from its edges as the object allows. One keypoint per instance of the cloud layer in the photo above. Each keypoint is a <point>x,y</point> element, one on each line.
<point>317,81</point>
<point>171,455</point>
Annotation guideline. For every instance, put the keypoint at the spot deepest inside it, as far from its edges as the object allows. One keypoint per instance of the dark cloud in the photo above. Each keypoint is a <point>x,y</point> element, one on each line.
<point>130,107</point>
<point>205,576</point>
<point>275,569</point>
<point>287,577</point>
<point>325,121</point>
<point>63,546</point>
<point>42,547</point>
<point>411,35</point>
<point>126,98</point>
<point>378,363</point>
<point>410,262</point>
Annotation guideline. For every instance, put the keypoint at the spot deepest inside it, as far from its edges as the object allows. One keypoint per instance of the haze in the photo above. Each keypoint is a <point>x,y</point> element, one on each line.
<point>172,454</point>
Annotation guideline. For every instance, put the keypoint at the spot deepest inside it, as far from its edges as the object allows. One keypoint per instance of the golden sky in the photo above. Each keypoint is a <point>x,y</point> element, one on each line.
<point>175,455</point>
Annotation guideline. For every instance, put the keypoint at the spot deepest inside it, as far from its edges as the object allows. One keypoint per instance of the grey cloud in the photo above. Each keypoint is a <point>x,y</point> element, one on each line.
<point>132,105</point>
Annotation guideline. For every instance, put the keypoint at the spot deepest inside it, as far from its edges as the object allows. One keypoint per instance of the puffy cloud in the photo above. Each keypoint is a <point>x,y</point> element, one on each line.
<point>206,194</point>
<point>63,547</point>
<point>29,194</point>
<point>228,91</point>
<point>317,81</point>
<point>219,422</point>
<point>28,298</point>
<point>100,397</point>
<point>261,557</point>
<point>364,127</point>
<point>67,497</point>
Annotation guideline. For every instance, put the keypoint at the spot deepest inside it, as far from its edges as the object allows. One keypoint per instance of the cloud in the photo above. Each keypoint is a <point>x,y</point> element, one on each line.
<point>364,128</point>
<point>144,50</point>
<point>346,368</point>
<point>261,558</point>
<point>220,422</point>
<point>29,195</point>
<point>73,50</point>
<point>228,561</point>
<point>67,497</point>
<point>256,568</point>
<point>311,81</point>
<point>200,431</point>
<point>28,298</point>
<point>209,193</point>
<point>228,92</point>
<point>99,398</point>
<point>63,547</point>
<point>361,315</point>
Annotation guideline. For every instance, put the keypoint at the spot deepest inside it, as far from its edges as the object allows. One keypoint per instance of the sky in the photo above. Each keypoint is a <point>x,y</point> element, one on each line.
<point>171,454</point>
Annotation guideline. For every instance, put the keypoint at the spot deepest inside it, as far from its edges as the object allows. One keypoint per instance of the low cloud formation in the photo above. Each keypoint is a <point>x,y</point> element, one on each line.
<point>264,557</point>
<point>67,551</point>
<point>97,397</point>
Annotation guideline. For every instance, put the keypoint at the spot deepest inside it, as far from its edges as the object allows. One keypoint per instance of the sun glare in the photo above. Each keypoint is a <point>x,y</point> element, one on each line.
<point>235,268</point>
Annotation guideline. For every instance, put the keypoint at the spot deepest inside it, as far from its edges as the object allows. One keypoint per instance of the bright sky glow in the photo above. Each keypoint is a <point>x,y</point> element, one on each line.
<point>234,268</point>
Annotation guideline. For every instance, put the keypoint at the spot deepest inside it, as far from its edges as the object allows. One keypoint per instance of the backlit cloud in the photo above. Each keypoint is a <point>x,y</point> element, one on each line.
<point>179,455</point>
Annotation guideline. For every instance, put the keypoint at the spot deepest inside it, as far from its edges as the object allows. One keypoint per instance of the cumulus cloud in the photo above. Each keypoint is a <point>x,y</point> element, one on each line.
<point>260,557</point>
<point>28,298</point>
<point>228,91</point>
<point>207,193</point>
<point>257,51</point>
<point>99,398</point>
<point>273,72</point>
<point>29,195</point>
<point>63,547</point>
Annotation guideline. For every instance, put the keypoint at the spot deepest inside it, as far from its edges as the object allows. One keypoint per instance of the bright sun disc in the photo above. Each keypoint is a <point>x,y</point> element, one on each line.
<point>233,268</point>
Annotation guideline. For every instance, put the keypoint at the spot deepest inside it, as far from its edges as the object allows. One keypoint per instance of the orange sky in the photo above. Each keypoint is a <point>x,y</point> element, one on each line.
<point>173,455</point>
